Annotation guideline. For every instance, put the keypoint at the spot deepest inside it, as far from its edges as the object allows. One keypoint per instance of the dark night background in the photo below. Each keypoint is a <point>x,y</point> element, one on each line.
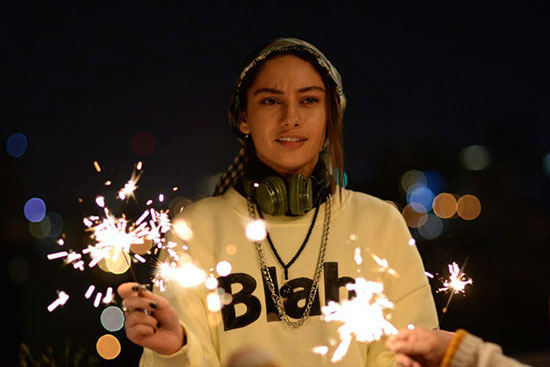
<point>423,80</point>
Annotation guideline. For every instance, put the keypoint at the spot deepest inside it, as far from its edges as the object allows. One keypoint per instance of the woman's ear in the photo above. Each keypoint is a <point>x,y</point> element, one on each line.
<point>243,123</point>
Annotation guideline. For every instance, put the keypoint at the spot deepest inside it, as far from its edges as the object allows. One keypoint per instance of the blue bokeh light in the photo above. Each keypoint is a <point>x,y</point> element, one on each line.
<point>432,229</point>
<point>420,194</point>
<point>16,145</point>
<point>56,225</point>
<point>434,181</point>
<point>546,164</point>
<point>35,210</point>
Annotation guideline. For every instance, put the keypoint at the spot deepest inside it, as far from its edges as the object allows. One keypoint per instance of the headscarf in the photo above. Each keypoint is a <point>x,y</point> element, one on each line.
<point>280,45</point>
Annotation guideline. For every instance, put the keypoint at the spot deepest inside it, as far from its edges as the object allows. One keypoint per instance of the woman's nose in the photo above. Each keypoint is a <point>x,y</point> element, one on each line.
<point>290,116</point>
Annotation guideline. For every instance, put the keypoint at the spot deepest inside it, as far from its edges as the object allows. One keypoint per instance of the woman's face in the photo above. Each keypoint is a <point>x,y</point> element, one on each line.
<point>286,115</point>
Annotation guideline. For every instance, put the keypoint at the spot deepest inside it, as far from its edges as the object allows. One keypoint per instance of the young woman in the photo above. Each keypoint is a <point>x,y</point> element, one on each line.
<point>286,111</point>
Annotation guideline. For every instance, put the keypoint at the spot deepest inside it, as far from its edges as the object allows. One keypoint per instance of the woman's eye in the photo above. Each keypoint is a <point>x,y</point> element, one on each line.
<point>310,100</point>
<point>268,101</point>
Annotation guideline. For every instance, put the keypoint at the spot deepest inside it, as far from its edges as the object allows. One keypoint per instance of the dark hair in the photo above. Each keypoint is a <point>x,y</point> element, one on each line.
<point>334,129</point>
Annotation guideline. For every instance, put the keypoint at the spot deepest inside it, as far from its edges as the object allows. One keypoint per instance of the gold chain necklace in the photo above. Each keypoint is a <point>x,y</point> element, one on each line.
<point>317,276</point>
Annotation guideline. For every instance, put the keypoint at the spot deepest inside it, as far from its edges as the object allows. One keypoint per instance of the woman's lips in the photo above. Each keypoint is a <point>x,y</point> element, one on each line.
<point>291,141</point>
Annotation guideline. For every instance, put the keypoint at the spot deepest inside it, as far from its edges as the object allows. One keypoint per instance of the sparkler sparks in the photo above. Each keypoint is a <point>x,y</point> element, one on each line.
<point>183,272</point>
<point>62,298</point>
<point>363,316</point>
<point>128,190</point>
<point>114,239</point>
<point>457,281</point>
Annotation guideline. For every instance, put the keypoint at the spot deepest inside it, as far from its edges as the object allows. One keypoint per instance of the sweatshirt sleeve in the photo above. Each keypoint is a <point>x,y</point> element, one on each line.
<point>200,349</point>
<point>202,346</point>
<point>409,289</point>
<point>474,352</point>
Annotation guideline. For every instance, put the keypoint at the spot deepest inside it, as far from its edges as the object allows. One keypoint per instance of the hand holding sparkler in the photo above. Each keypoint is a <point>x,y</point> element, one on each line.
<point>419,347</point>
<point>150,320</point>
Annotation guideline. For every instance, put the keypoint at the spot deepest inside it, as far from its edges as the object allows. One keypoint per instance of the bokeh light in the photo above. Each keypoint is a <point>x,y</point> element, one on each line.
<point>211,283</point>
<point>142,248</point>
<point>34,210</point>
<point>108,347</point>
<point>178,204</point>
<point>143,143</point>
<point>434,181</point>
<point>546,164</point>
<point>117,262</point>
<point>414,217</point>
<point>256,230</point>
<point>420,194</point>
<point>412,177</point>
<point>213,302</point>
<point>444,205</point>
<point>56,223</point>
<point>231,249</point>
<point>468,207</point>
<point>475,157</point>
<point>40,230</point>
<point>182,229</point>
<point>112,318</point>
<point>223,268</point>
<point>433,227</point>
<point>16,145</point>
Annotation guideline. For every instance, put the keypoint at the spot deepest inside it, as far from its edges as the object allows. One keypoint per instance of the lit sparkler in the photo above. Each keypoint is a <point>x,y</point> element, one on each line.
<point>116,237</point>
<point>363,316</point>
<point>456,283</point>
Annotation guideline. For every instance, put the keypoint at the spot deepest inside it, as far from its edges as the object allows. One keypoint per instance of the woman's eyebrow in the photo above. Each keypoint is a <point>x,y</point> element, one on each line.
<point>308,89</point>
<point>276,91</point>
<point>267,90</point>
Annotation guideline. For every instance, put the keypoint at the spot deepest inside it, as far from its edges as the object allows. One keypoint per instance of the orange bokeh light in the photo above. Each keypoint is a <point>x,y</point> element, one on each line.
<point>108,346</point>
<point>444,205</point>
<point>414,218</point>
<point>468,207</point>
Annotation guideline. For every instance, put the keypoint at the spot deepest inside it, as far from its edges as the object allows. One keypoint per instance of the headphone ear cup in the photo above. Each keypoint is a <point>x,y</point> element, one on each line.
<point>300,196</point>
<point>271,196</point>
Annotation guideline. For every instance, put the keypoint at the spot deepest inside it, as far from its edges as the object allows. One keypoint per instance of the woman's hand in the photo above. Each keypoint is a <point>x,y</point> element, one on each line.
<point>150,320</point>
<point>419,347</point>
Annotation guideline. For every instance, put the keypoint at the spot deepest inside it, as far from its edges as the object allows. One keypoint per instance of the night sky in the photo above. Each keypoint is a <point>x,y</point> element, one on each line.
<point>423,80</point>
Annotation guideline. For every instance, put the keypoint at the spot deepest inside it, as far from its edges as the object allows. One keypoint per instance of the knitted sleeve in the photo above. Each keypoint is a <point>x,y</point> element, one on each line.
<point>467,350</point>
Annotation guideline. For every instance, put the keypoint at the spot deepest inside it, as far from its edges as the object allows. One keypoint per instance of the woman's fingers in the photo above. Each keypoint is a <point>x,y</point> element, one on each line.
<point>139,318</point>
<point>150,319</point>
<point>402,336</point>
<point>141,304</point>
<point>138,333</point>
<point>405,361</point>
<point>129,289</point>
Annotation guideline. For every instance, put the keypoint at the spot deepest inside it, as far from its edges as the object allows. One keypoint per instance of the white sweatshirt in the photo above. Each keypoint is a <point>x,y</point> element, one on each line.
<point>358,221</point>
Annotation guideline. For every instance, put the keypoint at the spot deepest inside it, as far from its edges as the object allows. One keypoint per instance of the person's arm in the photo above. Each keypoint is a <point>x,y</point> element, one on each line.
<point>200,348</point>
<point>175,328</point>
<point>434,348</point>
<point>409,290</point>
